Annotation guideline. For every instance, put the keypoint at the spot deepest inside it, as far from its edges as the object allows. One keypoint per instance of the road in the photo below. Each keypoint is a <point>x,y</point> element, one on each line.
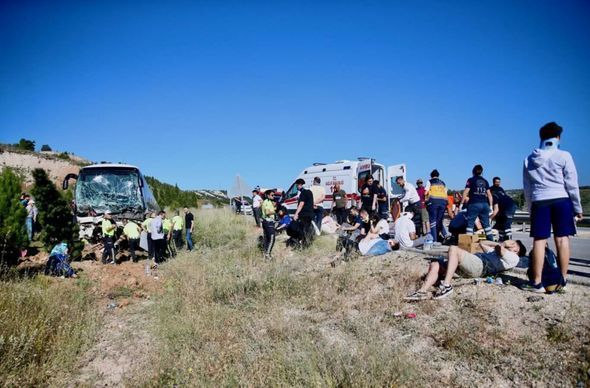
<point>580,253</point>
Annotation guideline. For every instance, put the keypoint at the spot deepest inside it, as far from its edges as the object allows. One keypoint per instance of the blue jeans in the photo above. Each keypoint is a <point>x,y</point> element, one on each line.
<point>481,210</point>
<point>436,213</point>
<point>29,225</point>
<point>318,214</point>
<point>189,240</point>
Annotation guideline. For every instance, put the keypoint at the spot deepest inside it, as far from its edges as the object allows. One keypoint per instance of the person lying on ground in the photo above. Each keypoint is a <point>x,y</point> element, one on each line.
<point>498,257</point>
<point>373,245</point>
<point>405,231</point>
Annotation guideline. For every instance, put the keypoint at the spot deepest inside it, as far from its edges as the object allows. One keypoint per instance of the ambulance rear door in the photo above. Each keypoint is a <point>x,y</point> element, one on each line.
<point>393,189</point>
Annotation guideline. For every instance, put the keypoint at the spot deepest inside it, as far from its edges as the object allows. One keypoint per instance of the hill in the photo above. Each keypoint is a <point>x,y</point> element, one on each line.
<point>59,164</point>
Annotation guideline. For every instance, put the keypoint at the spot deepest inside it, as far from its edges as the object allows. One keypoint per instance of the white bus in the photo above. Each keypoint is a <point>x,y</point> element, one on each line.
<point>120,189</point>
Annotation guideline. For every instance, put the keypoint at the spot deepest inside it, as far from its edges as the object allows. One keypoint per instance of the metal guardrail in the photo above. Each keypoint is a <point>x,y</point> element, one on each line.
<point>524,218</point>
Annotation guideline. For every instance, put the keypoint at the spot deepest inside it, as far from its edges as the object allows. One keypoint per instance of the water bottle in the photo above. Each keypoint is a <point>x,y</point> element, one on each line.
<point>148,270</point>
<point>428,241</point>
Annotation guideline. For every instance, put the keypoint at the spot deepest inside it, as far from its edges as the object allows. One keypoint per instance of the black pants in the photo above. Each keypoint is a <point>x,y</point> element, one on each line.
<point>308,231</point>
<point>268,230</point>
<point>340,213</point>
<point>133,244</point>
<point>417,219</point>
<point>257,212</point>
<point>150,246</point>
<point>177,237</point>
<point>159,249</point>
<point>109,249</point>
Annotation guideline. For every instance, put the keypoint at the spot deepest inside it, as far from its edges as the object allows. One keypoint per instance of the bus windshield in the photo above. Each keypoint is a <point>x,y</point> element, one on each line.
<point>114,190</point>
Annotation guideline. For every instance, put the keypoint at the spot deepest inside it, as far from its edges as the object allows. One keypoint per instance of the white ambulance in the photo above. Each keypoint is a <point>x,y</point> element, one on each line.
<point>351,174</point>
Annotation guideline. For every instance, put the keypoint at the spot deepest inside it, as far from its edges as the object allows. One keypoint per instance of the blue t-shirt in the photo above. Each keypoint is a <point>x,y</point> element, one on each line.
<point>286,220</point>
<point>478,188</point>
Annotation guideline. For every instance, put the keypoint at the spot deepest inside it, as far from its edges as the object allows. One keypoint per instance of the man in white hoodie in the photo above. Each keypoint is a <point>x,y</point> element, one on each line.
<point>551,190</point>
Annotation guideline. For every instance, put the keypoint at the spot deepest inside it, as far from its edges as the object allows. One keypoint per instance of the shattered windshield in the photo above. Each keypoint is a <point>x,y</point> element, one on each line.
<point>99,190</point>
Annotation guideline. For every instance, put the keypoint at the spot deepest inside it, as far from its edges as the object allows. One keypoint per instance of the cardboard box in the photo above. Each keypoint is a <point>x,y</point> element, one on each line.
<point>466,239</point>
<point>472,248</point>
<point>470,243</point>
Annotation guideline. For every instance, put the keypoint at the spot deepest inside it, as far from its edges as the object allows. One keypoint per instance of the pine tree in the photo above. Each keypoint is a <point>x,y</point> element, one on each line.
<point>55,216</point>
<point>13,233</point>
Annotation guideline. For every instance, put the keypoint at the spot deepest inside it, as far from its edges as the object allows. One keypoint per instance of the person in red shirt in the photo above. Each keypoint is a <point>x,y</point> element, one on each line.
<point>423,211</point>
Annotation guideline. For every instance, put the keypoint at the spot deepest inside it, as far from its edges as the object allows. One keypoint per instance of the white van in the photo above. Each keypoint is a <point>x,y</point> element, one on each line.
<point>351,174</point>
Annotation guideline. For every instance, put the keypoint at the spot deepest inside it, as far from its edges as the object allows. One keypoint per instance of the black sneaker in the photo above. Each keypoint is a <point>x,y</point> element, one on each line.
<point>443,291</point>
<point>530,286</point>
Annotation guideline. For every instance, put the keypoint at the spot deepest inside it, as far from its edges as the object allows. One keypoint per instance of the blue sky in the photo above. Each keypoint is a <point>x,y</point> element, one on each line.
<point>195,92</point>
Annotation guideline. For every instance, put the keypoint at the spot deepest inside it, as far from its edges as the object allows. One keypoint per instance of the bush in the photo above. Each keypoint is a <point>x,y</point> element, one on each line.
<point>13,234</point>
<point>46,148</point>
<point>55,216</point>
<point>26,145</point>
<point>64,156</point>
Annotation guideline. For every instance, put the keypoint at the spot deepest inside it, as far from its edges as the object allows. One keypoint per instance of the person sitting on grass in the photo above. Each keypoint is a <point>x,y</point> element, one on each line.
<point>498,257</point>
<point>405,231</point>
<point>350,232</point>
<point>284,220</point>
<point>380,226</point>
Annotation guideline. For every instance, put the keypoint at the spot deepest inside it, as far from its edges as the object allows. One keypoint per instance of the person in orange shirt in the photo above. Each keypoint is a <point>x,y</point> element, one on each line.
<point>451,206</point>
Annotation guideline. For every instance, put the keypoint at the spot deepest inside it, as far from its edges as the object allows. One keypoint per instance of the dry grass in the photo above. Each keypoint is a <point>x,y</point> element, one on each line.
<point>229,318</point>
<point>45,324</point>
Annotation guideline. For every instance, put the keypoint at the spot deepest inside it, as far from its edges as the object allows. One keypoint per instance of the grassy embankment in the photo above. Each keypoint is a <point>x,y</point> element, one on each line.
<point>45,323</point>
<point>228,318</point>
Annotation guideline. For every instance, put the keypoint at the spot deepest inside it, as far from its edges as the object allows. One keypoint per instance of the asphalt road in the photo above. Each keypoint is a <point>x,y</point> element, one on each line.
<point>580,253</point>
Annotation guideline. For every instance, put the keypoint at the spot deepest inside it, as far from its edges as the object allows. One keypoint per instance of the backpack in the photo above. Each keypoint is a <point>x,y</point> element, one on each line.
<point>551,276</point>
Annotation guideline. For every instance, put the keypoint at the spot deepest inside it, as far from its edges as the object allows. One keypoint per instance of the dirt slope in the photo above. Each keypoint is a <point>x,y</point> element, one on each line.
<point>25,162</point>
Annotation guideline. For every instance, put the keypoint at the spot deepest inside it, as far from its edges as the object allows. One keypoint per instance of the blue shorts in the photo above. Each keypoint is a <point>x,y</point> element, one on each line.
<point>558,213</point>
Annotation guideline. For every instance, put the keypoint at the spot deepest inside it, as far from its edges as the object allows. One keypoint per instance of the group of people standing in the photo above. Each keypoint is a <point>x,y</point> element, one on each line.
<point>477,205</point>
<point>163,235</point>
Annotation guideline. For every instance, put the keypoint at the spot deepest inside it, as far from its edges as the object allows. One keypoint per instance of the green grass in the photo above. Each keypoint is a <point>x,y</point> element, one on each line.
<point>45,324</point>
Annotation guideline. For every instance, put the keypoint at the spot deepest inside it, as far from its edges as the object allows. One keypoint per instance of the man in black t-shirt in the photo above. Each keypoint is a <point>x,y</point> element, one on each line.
<point>189,227</point>
<point>369,196</point>
<point>503,210</point>
<point>304,212</point>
